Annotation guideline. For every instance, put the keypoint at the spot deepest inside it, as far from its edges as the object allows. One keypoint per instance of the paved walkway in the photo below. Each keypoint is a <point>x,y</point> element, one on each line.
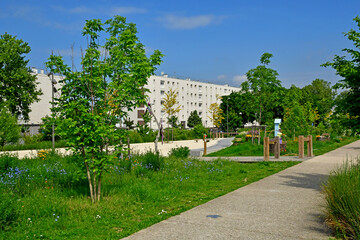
<point>286,205</point>
<point>164,149</point>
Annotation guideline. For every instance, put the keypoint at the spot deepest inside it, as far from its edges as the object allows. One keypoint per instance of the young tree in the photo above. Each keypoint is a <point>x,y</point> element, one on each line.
<point>94,100</point>
<point>194,119</point>
<point>350,71</point>
<point>17,86</point>
<point>9,129</point>
<point>216,114</point>
<point>262,82</point>
<point>170,103</point>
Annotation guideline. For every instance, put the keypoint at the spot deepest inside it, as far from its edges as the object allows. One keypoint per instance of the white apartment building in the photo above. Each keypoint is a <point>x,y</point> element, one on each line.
<point>192,95</point>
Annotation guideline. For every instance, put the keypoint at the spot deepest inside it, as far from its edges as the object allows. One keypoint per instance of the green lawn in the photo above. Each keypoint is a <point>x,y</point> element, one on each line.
<point>249,149</point>
<point>48,199</point>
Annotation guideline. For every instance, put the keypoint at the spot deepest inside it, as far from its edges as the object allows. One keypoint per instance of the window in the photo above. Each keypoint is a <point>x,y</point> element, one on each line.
<point>140,113</point>
<point>200,104</point>
<point>162,82</point>
<point>162,102</point>
<point>200,113</point>
<point>162,92</point>
<point>140,122</point>
<point>200,96</point>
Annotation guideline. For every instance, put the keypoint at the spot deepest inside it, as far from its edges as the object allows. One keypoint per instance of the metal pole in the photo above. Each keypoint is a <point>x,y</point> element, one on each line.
<point>52,106</point>
<point>227,116</point>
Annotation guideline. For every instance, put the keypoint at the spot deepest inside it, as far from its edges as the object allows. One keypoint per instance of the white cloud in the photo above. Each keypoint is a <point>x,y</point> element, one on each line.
<point>239,79</point>
<point>127,10</point>
<point>221,77</point>
<point>177,22</point>
<point>110,11</point>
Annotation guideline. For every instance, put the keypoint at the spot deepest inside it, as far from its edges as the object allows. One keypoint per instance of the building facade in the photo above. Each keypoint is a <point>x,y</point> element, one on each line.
<point>192,95</point>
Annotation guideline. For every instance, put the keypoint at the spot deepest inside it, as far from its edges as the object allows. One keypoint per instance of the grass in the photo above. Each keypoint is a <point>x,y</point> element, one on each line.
<point>249,149</point>
<point>48,199</point>
<point>342,194</point>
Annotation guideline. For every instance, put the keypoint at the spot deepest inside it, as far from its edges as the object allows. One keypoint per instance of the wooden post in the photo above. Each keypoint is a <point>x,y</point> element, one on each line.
<point>277,147</point>
<point>204,145</point>
<point>266,148</point>
<point>310,146</point>
<point>301,146</point>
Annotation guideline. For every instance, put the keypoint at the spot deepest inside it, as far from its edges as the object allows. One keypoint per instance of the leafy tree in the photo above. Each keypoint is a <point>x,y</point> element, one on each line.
<point>262,82</point>
<point>194,119</point>
<point>170,102</point>
<point>321,95</point>
<point>17,86</point>
<point>96,98</point>
<point>9,129</point>
<point>216,114</point>
<point>129,123</point>
<point>173,121</point>
<point>238,108</point>
<point>144,129</point>
<point>296,120</point>
<point>46,129</point>
<point>350,71</point>
<point>199,131</point>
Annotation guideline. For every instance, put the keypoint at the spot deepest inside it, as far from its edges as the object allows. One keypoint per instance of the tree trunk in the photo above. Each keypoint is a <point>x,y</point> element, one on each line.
<point>90,182</point>
<point>99,188</point>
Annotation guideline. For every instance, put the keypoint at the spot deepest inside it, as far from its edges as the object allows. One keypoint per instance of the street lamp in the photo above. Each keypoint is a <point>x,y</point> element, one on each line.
<point>53,91</point>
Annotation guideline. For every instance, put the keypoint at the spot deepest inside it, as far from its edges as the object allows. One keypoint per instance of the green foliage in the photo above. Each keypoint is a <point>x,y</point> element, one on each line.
<point>194,119</point>
<point>144,129</point>
<point>343,200</point>
<point>17,86</point>
<point>93,100</point>
<point>262,82</point>
<point>180,152</point>
<point>134,199</point>
<point>46,129</point>
<point>173,121</point>
<point>32,139</point>
<point>8,212</point>
<point>296,119</point>
<point>9,129</point>
<point>349,70</point>
<point>321,96</point>
<point>152,161</point>
<point>199,131</point>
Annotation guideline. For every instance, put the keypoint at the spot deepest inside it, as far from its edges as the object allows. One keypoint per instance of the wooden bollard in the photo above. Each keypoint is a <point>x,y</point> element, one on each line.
<point>277,148</point>
<point>204,145</point>
<point>310,146</point>
<point>266,149</point>
<point>301,146</point>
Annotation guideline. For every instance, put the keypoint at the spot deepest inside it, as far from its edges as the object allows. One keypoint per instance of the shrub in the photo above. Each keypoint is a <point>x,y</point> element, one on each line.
<point>180,152</point>
<point>28,139</point>
<point>199,131</point>
<point>342,194</point>
<point>152,161</point>
<point>9,129</point>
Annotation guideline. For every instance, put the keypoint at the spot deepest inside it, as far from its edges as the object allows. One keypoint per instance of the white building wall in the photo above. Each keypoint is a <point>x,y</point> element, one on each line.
<point>192,95</point>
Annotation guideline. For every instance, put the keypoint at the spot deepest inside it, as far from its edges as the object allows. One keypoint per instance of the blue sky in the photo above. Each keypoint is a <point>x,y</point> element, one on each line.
<point>211,41</point>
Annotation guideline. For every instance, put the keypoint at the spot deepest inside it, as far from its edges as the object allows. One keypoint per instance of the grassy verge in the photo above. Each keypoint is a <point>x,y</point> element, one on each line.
<point>48,199</point>
<point>249,149</point>
<point>343,200</point>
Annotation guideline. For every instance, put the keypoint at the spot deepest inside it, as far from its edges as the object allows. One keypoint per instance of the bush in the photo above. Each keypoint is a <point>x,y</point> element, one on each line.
<point>9,129</point>
<point>152,161</point>
<point>342,194</point>
<point>199,131</point>
<point>28,139</point>
<point>180,152</point>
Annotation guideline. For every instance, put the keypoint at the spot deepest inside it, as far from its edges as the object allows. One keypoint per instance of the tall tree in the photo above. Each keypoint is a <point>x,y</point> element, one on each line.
<point>95,99</point>
<point>17,85</point>
<point>349,70</point>
<point>216,113</point>
<point>194,119</point>
<point>321,95</point>
<point>262,82</point>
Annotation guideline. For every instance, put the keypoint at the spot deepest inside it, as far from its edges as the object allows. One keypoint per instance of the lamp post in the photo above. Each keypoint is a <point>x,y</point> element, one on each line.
<point>53,91</point>
<point>227,116</point>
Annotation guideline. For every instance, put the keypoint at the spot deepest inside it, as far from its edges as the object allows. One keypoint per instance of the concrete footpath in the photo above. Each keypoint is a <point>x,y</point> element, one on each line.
<point>286,205</point>
<point>164,149</point>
